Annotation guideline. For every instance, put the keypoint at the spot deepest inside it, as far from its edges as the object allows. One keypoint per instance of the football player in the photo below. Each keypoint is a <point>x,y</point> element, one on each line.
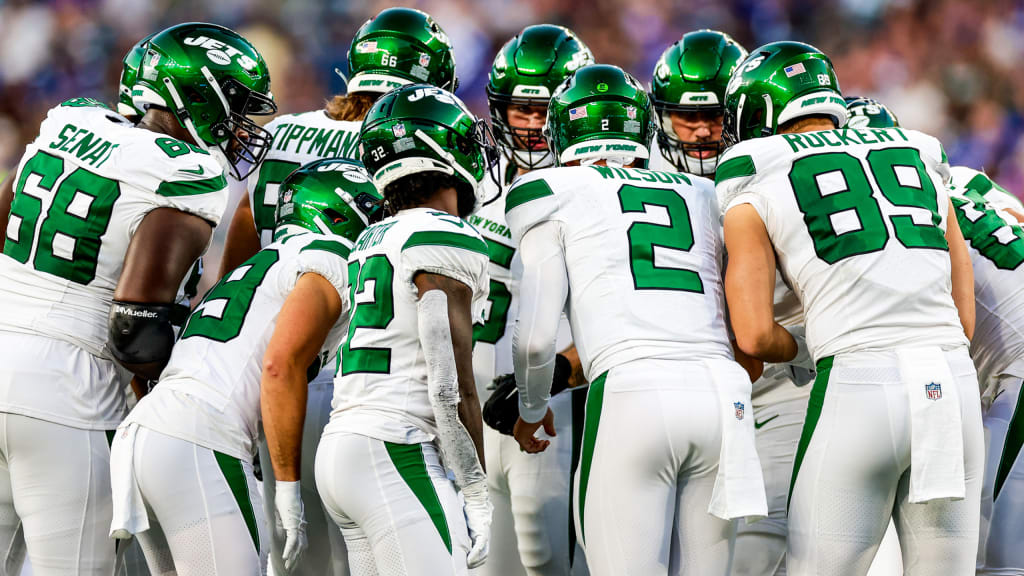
<point>688,93</point>
<point>985,213</point>
<point>404,394</point>
<point>103,220</point>
<point>641,251</point>
<point>245,352</point>
<point>396,47</point>
<point>531,532</point>
<point>863,230</point>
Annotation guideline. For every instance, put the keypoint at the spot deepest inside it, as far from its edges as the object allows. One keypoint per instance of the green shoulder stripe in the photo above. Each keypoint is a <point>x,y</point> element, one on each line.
<point>735,168</point>
<point>526,192</point>
<point>332,246</point>
<point>981,184</point>
<point>440,238</point>
<point>192,187</point>
<point>942,151</point>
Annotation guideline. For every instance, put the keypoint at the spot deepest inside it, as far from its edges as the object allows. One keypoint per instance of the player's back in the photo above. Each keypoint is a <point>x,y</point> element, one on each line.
<point>996,244</point>
<point>380,388</point>
<point>857,218</point>
<point>643,254</point>
<point>81,190</point>
<point>298,140</point>
<point>218,360</point>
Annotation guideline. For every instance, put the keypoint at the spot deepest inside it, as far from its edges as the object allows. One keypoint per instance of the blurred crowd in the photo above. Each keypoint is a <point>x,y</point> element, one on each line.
<point>946,67</point>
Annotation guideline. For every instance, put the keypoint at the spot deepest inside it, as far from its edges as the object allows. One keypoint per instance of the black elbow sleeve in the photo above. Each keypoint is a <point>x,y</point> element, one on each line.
<point>141,333</point>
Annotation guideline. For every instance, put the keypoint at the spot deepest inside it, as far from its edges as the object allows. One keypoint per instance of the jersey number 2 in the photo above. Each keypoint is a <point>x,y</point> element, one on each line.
<point>373,309</point>
<point>645,236</point>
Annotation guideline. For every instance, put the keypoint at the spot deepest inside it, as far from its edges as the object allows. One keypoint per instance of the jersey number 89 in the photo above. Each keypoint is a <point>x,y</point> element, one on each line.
<point>833,190</point>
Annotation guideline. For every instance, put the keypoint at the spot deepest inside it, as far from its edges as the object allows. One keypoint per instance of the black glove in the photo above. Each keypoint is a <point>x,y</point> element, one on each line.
<point>502,408</point>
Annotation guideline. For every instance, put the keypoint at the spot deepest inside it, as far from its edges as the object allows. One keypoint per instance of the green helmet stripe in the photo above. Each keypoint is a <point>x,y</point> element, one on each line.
<point>440,238</point>
<point>192,187</point>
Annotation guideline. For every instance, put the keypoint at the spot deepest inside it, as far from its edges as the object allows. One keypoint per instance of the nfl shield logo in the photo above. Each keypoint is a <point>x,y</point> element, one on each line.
<point>631,112</point>
<point>398,130</point>
<point>933,391</point>
<point>424,59</point>
<point>739,410</point>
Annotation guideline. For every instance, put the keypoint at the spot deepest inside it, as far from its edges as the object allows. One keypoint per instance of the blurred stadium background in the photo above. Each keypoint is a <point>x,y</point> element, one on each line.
<point>946,67</point>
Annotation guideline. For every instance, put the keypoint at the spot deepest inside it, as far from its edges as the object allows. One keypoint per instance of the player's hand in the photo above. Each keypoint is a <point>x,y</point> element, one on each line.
<point>502,408</point>
<point>524,433</point>
<point>478,519</point>
<point>288,503</point>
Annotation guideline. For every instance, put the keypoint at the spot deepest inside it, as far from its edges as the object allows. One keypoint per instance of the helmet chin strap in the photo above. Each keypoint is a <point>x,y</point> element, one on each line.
<point>448,158</point>
<point>183,113</point>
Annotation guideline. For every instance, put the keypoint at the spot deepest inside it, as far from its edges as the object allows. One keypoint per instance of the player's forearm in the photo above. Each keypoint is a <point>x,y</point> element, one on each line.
<point>283,391</point>
<point>543,292</point>
<point>962,273</point>
<point>460,450</point>
<point>242,241</point>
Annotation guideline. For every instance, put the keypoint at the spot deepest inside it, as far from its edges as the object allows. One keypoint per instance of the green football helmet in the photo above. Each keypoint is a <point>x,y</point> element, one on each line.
<point>526,72</point>
<point>777,83</point>
<point>600,112</point>
<point>129,72</point>
<point>869,113</point>
<point>330,196</point>
<point>400,46</point>
<point>691,76</point>
<point>211,79</point>
<point>421,128</point>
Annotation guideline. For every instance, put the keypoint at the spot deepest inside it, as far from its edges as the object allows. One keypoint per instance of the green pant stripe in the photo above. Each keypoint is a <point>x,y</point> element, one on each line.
<point>814,406</point>
<point>1012,445</point>
<point>595,398</point>
<point>579,411</point>
<point>231,468</point>
<point>408,459</point>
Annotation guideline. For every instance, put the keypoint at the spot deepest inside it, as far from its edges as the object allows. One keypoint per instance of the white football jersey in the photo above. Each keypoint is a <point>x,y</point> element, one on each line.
<point>962,179</point>
<point>298,139</point>
<point>380,389</point>
<point>209,393</point>
<point>643,252</point>
<point>492,340</point>
<point>81,190</point>
<point>858,219</point>
<point>996,244</point>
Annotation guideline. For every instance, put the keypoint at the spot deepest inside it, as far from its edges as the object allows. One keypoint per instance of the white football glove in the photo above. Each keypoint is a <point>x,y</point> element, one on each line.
<point>478,519</point>
<point>288,503</point>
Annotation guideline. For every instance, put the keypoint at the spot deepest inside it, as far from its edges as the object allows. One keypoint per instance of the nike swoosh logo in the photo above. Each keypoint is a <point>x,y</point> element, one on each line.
<point>198,171</point>
<point>759,425</point>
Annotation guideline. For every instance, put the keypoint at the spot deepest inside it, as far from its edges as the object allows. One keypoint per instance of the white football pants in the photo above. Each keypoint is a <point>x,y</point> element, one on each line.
<point>1001,546</point>
<point>203,508</point>
<point>651,446</point>
<point>531,530</point>
<point>396,507</point>
<point>852,474</point>
<point>54,498</point>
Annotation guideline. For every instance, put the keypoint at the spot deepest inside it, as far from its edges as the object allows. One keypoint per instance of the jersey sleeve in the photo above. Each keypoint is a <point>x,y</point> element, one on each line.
<point>933,155</point>
<point>446,249</point>
<point>530,201</point>
<point>325,256</point>
<point>736,179</point>
<point>966,180</point>
<point>176,176</point>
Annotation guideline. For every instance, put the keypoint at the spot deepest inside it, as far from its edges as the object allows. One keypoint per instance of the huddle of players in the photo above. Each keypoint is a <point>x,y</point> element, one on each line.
<point>892,426</point>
